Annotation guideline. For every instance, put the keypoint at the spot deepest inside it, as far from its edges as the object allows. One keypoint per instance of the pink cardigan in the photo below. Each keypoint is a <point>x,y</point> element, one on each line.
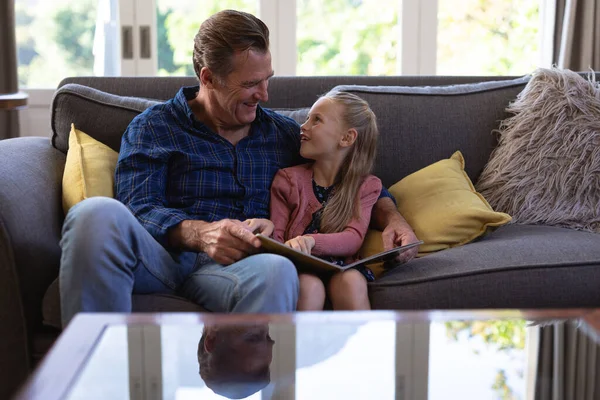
<point>293,203</point>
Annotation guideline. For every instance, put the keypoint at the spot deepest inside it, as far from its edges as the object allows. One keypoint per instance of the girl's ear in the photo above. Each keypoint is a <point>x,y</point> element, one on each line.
<point>349,138</point>
<point>206,77</point>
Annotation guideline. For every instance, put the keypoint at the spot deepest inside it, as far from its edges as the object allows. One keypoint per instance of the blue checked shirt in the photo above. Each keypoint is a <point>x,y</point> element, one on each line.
<point>172,167</point>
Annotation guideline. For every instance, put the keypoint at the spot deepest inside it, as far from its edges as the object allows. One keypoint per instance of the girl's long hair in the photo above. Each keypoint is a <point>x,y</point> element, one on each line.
<point>343,205</point>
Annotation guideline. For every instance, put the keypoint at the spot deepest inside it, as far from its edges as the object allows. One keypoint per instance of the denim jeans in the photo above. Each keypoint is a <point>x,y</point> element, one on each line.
<point>107,255</point>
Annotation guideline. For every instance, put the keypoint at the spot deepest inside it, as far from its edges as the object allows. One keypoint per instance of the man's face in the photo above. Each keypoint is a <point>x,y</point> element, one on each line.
<point>239,359</point>
<point>253,348</point>
<point>237,96</point>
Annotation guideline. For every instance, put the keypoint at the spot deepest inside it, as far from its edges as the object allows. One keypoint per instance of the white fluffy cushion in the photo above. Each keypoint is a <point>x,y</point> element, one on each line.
<point>546,168</point>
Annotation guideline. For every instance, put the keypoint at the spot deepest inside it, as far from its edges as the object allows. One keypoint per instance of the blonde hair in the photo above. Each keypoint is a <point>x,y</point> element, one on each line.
<point>343,205</point>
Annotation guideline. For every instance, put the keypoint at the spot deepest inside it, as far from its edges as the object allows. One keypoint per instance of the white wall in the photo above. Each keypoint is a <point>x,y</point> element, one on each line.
<point>34,120</point>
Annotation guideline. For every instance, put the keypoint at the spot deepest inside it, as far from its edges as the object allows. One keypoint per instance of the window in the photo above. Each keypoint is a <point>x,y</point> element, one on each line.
<point>61,38</point>
<point>348,37</point>
<point>55,39</point>
<point>488,37</point>
<point>479,359</point>
<point>177,23</point>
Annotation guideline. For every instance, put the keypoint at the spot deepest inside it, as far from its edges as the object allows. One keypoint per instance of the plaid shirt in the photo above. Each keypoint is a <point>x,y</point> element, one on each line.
<point>172,167</point>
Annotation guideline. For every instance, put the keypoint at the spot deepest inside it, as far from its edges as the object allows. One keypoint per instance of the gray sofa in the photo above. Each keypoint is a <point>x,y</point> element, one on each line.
<point>423,121</point>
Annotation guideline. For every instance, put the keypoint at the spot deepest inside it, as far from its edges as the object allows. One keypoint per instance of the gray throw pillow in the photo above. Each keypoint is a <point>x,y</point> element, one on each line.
<point>546,168</point>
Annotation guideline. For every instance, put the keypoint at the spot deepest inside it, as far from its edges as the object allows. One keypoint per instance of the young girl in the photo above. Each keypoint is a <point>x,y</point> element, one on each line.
<point>324,207</point>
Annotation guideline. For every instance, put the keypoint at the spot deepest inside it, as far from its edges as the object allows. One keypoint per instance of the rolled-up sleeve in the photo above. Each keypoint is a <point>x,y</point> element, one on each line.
<point>385,193</point>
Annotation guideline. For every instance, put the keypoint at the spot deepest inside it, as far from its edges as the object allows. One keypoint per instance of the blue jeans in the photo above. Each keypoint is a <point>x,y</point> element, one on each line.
<point>107,255</point>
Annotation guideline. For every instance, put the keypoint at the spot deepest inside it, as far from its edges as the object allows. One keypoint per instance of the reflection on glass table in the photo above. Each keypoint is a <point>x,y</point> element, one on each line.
<point>372,358</point>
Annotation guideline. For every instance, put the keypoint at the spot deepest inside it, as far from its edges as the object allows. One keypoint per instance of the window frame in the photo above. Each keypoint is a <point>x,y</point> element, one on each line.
<point>417,52</point>
<point>416,57</point>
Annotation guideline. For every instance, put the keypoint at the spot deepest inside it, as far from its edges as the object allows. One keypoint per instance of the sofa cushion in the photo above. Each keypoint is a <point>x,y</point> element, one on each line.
<point>101,115</point>
<point>515,266</point>
<point>421,125</point>
<point>546,168</point>
<point>154,303</point>
<point>89,169</point>
<point>441,205</point>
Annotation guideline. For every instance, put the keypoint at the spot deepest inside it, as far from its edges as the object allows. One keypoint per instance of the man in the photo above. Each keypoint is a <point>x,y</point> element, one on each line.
<point>193,181</point>
<point>235,360</point>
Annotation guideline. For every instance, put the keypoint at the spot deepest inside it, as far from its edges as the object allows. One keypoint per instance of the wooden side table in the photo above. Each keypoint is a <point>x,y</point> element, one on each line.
<point>13,101</point>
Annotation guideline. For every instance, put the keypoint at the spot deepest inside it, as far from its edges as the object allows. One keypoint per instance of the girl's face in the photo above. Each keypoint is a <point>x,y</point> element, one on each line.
<point>322,132</point>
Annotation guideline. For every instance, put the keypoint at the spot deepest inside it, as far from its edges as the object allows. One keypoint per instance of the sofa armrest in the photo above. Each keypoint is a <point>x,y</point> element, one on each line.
<point>31,218</point>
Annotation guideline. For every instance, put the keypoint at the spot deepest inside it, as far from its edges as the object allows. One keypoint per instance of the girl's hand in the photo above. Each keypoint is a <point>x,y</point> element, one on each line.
<point>302,243</point>
<point>260,225</point>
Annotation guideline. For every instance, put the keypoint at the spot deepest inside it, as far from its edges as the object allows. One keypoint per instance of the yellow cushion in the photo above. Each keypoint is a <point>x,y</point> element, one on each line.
<point>89,169</point>
<point>442,206</point>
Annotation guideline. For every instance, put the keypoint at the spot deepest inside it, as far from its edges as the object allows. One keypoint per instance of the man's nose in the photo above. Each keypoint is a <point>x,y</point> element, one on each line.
<point>262,93</point>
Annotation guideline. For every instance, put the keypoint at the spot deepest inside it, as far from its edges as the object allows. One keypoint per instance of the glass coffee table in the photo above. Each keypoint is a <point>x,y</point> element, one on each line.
<point>496,354</point>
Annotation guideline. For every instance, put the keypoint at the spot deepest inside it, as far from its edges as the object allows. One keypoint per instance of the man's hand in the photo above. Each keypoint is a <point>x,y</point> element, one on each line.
<point>225,241</point>
<point>260,225</point>
<point>399,233</point>
<point>396,231</point>
<point>302,243</point>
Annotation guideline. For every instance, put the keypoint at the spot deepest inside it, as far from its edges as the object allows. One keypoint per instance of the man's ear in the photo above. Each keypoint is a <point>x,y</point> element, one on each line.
<point>349,138</point>
<point>210,341</point>
<point>206,78</point>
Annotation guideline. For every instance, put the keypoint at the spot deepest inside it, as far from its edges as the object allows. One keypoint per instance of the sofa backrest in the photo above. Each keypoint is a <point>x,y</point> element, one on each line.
<point>284,91</point>
<point>421,125</point>
<point>422,118</point>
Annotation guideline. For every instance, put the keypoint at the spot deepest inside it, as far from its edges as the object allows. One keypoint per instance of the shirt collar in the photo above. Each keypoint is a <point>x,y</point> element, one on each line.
<point>185,94</point>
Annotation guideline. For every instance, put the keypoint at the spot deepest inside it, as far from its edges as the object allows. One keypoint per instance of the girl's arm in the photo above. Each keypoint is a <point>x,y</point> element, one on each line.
<point>348,242</point>
<point>279,208</point>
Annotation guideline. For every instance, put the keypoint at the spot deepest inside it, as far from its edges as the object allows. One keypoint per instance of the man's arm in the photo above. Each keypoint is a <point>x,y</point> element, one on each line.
<point>396,231</point>
<point>141,179</point>
<point>140,183</point>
